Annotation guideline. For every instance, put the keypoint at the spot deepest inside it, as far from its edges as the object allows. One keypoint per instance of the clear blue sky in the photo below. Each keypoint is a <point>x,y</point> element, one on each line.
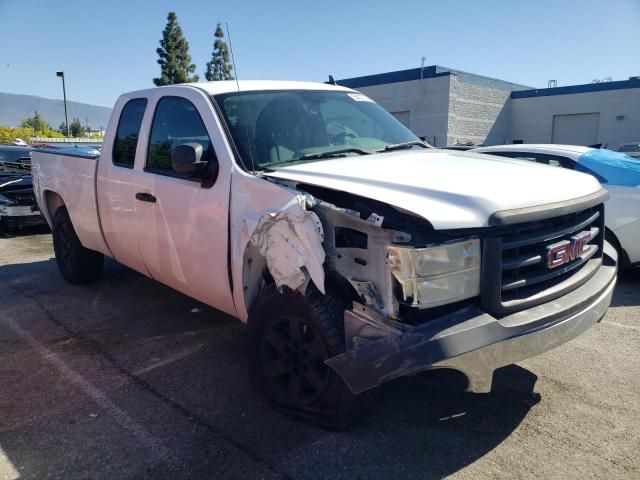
<point>108,47</point>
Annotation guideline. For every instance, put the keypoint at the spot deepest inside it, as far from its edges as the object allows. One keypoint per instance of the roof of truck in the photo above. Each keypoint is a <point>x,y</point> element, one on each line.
<point>229,86</point>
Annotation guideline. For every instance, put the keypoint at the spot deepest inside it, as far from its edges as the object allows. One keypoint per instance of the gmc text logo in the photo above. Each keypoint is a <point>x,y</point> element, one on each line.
<point>567,250</point>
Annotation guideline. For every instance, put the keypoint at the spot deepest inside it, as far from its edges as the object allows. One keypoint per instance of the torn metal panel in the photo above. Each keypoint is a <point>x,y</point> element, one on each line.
<point>367,290</point>
<point>364,268</point>
<point>253,273</point>
<point>375,220</point>
<point>291,242</point>
<point>397,354</point>
<point>251,199</point>
<point>363,325</point>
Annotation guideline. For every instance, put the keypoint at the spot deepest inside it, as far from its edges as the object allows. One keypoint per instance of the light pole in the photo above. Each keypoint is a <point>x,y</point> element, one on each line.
<point>64,94</point>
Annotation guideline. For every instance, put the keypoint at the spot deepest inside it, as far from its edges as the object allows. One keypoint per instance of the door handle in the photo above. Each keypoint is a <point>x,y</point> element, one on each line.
<point>145,197</point>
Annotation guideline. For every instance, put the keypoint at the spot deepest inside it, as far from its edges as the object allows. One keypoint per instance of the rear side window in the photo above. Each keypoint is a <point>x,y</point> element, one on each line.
<point>126,140</point>
<point>176,121</point>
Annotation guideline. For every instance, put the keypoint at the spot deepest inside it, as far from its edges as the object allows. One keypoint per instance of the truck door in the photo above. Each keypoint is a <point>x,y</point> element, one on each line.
<point>182,225</point>
<point>118,181</point>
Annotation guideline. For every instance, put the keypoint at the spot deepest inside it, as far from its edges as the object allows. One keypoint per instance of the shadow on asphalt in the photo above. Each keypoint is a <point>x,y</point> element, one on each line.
<point>627,290</point>
<point>184,379</point>
<point>24,232</point>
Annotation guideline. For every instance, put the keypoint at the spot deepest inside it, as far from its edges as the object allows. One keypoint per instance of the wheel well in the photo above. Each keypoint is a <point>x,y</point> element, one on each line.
<point>53,201</point>
<point>341,287</point>
<point>623,258</point>
<point>256,277</point>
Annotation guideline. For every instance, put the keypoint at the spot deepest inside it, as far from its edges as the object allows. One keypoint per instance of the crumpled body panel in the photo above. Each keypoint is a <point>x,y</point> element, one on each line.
<point>291,242</point>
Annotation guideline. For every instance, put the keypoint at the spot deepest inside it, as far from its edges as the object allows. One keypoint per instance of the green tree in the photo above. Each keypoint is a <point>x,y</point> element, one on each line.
<point>219,68</point>
<point>76,128</point>
<point>63,128</point>
<point>36,122</point>
<point>175,61</point>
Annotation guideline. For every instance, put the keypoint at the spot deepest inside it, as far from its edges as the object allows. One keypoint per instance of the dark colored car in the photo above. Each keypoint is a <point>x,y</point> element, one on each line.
<point>18,207</point>
<point>14,158</point>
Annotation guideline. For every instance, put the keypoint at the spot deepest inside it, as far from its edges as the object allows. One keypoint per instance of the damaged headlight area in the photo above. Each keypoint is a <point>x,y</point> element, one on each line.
<point>437,275</point>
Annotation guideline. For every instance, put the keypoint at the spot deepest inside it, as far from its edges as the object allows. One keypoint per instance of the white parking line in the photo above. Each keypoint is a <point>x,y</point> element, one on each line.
<point>616,324</point>
<point>7,469</point>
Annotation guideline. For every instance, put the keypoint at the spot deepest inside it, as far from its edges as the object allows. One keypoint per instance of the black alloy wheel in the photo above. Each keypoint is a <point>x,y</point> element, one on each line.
<point>77,264</point>
<point>290,335</point>
<point>293,357</point>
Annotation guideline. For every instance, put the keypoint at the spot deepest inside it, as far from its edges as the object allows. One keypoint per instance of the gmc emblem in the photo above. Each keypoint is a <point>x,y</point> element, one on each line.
<point>566,251</point>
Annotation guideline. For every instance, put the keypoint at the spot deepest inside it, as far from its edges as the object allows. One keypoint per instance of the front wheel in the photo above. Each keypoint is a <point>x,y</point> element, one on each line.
<point>289,337</point>
<point>76,263</point>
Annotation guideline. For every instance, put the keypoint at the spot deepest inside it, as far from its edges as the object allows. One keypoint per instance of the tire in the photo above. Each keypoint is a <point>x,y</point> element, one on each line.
<point>289,336</point>
<point>77,264</point>
<point>623,259</point>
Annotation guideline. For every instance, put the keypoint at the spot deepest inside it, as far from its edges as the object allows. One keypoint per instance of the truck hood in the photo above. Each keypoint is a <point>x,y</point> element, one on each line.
<point>449,189</point>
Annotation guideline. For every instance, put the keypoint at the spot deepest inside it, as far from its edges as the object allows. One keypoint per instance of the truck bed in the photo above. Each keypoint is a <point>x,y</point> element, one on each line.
<point>72,176</point>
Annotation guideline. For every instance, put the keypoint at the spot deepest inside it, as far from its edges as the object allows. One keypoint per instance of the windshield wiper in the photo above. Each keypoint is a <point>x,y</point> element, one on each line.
<point>400,146</point>
<point>332,153</point>
<point>315,156</point>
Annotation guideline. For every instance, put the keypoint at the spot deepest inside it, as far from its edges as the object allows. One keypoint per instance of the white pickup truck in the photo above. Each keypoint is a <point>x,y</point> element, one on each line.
<point>354,252</point>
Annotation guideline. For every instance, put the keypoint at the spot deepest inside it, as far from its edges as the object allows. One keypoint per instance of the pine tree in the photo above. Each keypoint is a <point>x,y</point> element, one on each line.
<point>76,127</point>
<point>36,122</point>
<point>219,68</point>
<point>175,61</point>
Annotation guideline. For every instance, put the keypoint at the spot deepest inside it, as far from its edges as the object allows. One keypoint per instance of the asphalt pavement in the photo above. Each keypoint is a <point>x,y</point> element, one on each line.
<point>128,379</point>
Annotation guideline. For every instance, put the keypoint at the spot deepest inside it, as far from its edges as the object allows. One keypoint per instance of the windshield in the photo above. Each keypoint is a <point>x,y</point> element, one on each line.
<point>630,147</point>
<point>284,126</point>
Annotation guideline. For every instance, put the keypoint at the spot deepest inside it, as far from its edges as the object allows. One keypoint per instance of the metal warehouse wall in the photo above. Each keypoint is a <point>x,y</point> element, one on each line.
<point>616,119</point>
<point>447,110</point>
<point>423,105</point>
<point>477,113</point>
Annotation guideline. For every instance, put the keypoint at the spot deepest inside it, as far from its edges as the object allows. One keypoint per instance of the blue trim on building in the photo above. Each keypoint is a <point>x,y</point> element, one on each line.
<point>389,77</point>
<point>517,91</point>
<point>586,88</point>
<point>431,71</point>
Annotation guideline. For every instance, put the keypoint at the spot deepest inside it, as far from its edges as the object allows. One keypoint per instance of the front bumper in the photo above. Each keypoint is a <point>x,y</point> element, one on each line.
<point>15,217</point>
<point>470,340</point>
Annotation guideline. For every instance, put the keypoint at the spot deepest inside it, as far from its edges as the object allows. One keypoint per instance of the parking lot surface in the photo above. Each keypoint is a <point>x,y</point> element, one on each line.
<point>130,379</point>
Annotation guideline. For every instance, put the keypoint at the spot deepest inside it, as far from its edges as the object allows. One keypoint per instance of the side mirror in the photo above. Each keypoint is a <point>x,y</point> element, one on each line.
<point>186,158</point>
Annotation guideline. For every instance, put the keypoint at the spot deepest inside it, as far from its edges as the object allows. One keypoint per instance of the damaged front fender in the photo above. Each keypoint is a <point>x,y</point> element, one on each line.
<point>291,243</point>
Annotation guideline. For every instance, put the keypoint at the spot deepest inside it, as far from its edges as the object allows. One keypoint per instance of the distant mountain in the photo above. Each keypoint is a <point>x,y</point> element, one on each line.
<point>14,108</point>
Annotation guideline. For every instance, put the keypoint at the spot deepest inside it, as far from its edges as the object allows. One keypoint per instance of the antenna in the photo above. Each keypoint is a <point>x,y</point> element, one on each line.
<point>242,113</point>
<point>422,74</point>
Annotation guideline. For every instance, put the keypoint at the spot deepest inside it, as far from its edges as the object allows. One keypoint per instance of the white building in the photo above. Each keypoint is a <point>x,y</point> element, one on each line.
<point>449,107</point>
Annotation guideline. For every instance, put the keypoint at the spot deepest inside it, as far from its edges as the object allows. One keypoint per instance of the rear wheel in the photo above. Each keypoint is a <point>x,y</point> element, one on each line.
<point>289,337</point>
<point>76,263</point>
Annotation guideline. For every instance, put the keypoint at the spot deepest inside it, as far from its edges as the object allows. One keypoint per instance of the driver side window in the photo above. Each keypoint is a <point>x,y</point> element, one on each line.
<point>175,121</point>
